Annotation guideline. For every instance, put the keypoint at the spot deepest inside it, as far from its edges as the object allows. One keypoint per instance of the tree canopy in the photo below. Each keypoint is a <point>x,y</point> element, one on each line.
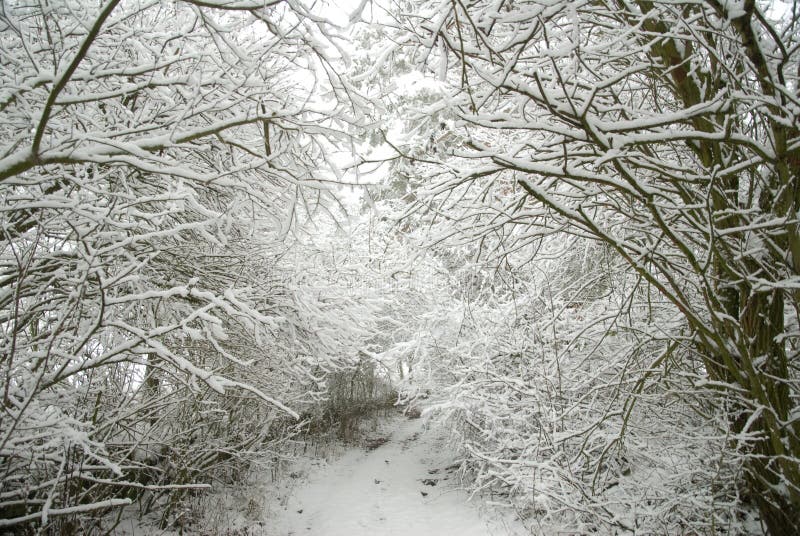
<point>578,230</point>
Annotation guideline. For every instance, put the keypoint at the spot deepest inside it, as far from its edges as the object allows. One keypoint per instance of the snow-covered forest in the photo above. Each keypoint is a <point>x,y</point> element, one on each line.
<point>565,231</point>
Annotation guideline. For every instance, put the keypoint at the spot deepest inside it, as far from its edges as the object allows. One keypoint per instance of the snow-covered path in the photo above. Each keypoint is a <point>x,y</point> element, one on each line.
<point>402,487</point>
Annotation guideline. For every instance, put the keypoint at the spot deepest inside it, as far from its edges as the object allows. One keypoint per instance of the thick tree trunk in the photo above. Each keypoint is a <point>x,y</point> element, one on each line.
<point>772,470</point>
<point>760,368</point>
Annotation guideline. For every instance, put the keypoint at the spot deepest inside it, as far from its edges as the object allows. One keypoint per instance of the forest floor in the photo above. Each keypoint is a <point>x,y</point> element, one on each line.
<point>403,486</point>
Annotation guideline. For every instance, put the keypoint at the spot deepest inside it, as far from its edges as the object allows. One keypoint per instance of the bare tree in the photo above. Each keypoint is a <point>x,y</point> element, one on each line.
<point>154,157</point>
<point>669,132</point>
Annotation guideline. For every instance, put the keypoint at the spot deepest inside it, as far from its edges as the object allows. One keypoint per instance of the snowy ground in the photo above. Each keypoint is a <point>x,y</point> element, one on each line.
<point>401,483</point>
<point>402,487</point>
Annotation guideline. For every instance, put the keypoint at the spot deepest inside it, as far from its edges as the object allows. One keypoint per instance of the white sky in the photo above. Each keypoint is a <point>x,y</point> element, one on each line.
<point>339,10</point>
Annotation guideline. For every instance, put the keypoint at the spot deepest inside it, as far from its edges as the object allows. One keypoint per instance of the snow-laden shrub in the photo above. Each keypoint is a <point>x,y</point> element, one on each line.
<point>577,403</point>
<point>154,333</point>
<point>348,395</point>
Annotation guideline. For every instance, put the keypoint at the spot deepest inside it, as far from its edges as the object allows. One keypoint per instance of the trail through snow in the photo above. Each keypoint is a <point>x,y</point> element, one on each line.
<point>402,487</point>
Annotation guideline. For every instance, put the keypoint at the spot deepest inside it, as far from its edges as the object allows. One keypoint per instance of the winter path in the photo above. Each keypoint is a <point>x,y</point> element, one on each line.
<point>402,487</point>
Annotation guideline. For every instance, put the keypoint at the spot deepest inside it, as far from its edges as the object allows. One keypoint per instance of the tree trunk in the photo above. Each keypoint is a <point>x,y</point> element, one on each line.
<point>772,472</point>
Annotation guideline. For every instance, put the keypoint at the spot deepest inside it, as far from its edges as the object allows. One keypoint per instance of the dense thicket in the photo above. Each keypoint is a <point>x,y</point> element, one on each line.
<point>583,250</point>
<point>160,324</point>
<point>658,142</point>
